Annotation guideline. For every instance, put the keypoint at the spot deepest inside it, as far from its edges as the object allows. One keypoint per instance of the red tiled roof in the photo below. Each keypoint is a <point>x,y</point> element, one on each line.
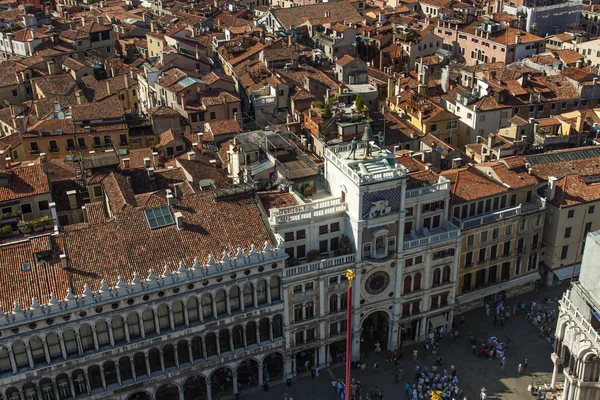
<point>24,181</point>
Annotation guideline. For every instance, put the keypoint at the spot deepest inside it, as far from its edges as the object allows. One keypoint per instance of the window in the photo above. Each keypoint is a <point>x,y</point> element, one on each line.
<point>333,280</point>
<point>323,229</point>
<point>591,209</point>
<point>14,93</point>
<point>508,230</point>
<point>529,194</point>
<point>494,252</point>
<point>335,227</point>
<point>495,233</point>
<point>470,240</point>
<point>213,115</point>
<point>309,286</point>
<point>571,214</point>
<point>52,146</point>
<point>97,191</point>
<point>481,258</point>
<point>301,251</point>
<point>324,246</point>
<point>468,259</point>
<point>297,289</point>
<point>26,208</point>
<point>81,143</point>
<point>43,205</point>
<point>335,244</point>
<point>96,141</point>
<point>159,217</point>
<point>564,253</point>
<point>288,236</point>
<point>484,237</point>
<point>70,144</point>
<point>567,232</point>
<point>418,259</point>
<point>301,234</point>
<point>108,50</point>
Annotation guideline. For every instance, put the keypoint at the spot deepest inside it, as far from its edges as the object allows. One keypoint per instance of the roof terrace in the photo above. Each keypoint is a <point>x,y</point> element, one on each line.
<point>364,168</point>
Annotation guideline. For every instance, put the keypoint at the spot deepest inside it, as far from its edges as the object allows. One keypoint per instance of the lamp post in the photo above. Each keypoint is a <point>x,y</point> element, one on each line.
<point>350,276</point>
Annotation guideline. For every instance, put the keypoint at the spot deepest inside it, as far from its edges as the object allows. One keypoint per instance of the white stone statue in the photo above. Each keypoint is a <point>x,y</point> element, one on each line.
<point>380,206</point>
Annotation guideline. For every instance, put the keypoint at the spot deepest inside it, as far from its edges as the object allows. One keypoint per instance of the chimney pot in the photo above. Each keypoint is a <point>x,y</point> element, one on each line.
<point>191,156</point>
<point>146,162</point>
<point>63,261</point>
<point>72,195</point>
<point>169,199</point>
<point>551,188</point>
<point>179,220</point>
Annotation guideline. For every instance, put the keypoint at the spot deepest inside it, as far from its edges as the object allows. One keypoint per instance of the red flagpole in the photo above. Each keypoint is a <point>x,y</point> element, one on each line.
<point>350,276</point>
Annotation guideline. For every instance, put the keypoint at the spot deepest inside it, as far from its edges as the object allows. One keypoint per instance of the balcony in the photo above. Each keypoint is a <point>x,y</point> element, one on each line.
<point>446,232</point>
<point>469,223</point>
<point>441,186</point>
<point>319,265</point>
<point>306,212</point>
<point>379,167</point>
<point>585,326</point>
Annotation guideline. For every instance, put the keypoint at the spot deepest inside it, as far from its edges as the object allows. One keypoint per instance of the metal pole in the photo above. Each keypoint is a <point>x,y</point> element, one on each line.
<point>350,276</point>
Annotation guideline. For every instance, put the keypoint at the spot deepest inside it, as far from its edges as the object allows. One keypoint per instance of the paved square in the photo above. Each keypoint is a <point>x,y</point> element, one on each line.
<point>472,372</point>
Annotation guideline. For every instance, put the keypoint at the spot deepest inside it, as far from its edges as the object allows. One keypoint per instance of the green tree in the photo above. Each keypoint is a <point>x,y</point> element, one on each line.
<point>359,102</point>
<point>327,110</point>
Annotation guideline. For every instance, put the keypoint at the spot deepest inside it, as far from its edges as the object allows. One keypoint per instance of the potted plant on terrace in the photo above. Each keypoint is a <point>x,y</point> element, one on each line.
<point>5,231</point>
<point>24,226</point>
<point>38,225</point>
<point>47,222</point>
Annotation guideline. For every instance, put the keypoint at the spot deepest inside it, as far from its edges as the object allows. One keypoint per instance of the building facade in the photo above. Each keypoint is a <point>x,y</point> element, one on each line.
<point>577,344</point>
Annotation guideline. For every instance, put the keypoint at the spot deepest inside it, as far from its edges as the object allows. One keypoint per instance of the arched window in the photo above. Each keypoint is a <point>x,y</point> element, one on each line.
<point>148,320</point>
<point>118,329</point>
<point>407,283</point>
<point>95,377</point>
<point>238,337</point>
<point>79,382</point>
<point>310,309</point>
<point>344,301</point>
<point>102,333</point>
<point>154,358</point>
<point>234,298</point>
<point>248,295</point>
<point>446,275</point>
<point>163,317</point>
<point>436,277</point>
<point>417,285</point>
<point>333,303</point>
<point>251,333</point>
<point>64,389</point>
<point>211,345</point>
<point>224,343</point>
<point>169,356</point>
<point>125,369</point>
<point>20,354</point>
<point>221,303</point>
<point>178,317</point>
<point>53,343</point>
<point>70,342</point>
<point>110,373</point>
<point>37,350</point>
<point>182,352</point>
<point>274,286</point>
<point>263,328</point>
<point>197,348</point>
<point>277,326</point>
<point>4,361</point>
<point>207,308</point>
<point>139,363</point>
<point>133,324</point>
<point>261,292</point>
<point>192,310</point>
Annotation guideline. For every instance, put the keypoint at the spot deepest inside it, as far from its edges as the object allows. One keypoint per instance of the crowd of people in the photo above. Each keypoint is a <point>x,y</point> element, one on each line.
<point>543,317</point>
<point>434,382</point>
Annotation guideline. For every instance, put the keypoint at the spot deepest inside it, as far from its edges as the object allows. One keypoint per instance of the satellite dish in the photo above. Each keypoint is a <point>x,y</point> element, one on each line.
<point>439,149</point>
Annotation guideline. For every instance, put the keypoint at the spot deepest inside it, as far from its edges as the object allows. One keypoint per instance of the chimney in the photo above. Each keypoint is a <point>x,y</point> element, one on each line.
<point>63,261</point>
<point>179,220</point>
<point>150,173</point>
<point>126,79</point>
<point>126,163</point>
<point>445,79</point>
<point>21,124</point>
<point>83,20</point>
<point>2,160</point>
<point>491,140</point>
<point>170,199</point>
<point>191,156</point>
<point>551,188</point>
<point>51,68</point>
<point>391,89</point>
<point>54,216</point>
<point>146,162</point>
<point>100,20</point>
<point>32,34</point>
<point>579,123</point>
<point>155,159</point>
<point>524,79</point>
<point>78,95</point>
<point>108,87</point>
<point>72,195</point>
<point>517,39</point>
<point>152,26</point>
<point>57,109</point>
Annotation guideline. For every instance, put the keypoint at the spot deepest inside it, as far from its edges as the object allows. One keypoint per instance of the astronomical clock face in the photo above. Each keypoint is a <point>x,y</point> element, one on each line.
<point>377,282</point>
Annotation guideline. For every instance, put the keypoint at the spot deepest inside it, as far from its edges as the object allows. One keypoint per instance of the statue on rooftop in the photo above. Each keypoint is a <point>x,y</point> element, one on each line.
<point>353,147</point>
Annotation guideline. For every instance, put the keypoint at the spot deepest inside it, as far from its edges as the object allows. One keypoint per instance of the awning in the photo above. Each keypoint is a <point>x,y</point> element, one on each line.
<point>437,320</point>
<point>490,290</point>
<point>567,272</point>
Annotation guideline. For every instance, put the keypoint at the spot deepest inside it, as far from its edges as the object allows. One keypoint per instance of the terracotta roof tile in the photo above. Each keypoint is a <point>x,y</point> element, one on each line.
<point>469,184</point>
<point>24,181</point>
